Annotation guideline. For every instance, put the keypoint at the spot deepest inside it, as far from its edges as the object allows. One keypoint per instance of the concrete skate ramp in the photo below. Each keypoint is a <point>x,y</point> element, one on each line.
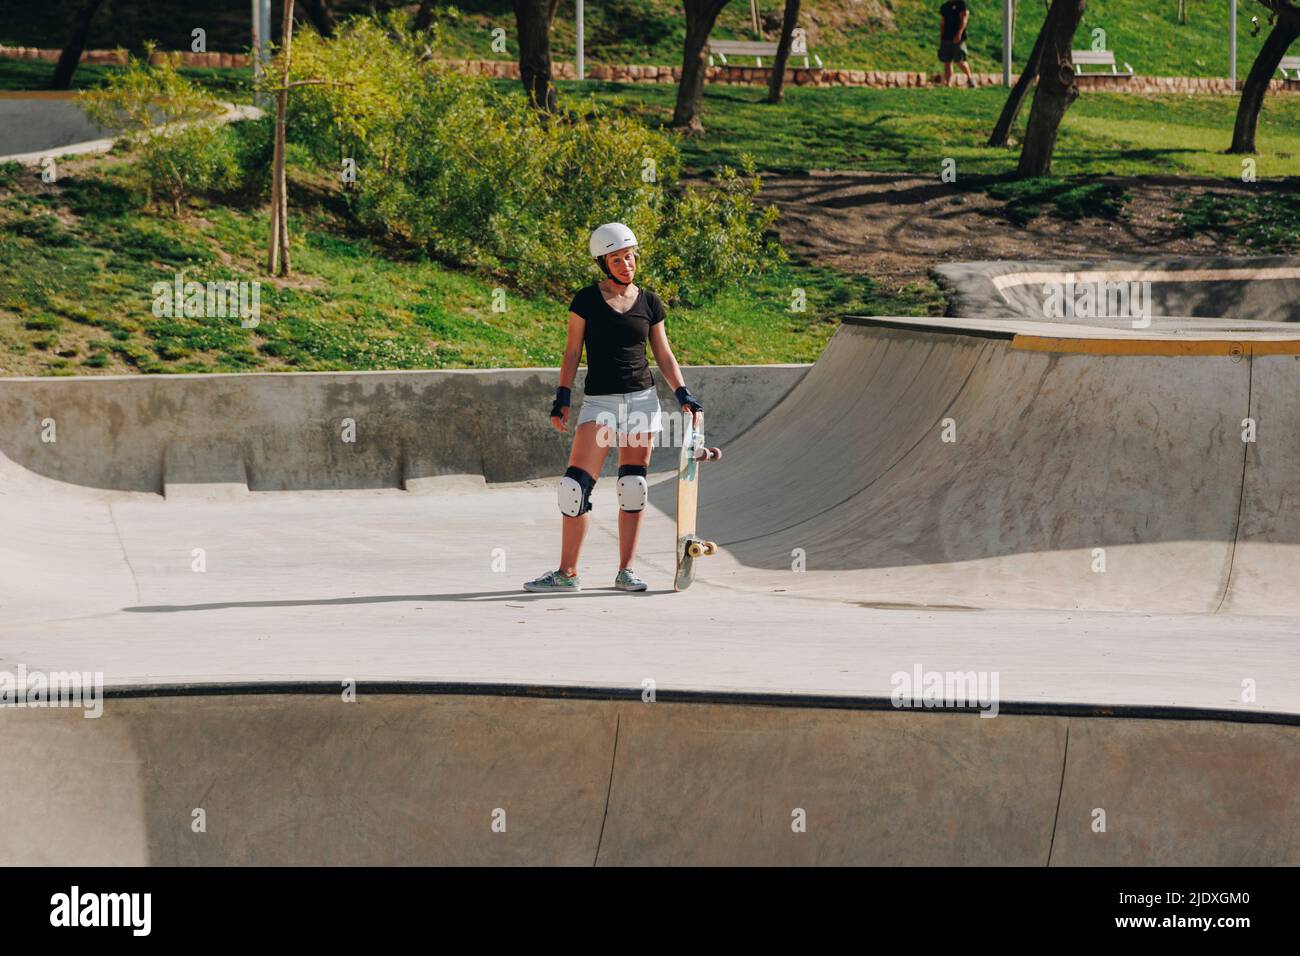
<point>1217,293</point>
<point>421,778</point>
<point>1003,464</point>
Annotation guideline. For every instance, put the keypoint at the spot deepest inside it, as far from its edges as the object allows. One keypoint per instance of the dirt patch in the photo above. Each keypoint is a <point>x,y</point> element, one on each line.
<point>835,18</point>
<point>895,227</point>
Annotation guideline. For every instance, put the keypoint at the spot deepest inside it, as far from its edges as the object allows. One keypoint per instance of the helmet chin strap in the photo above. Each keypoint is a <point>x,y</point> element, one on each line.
<point>609,275</point>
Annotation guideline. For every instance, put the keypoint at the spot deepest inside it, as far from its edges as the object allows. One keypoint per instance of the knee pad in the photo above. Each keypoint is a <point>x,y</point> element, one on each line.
<point>575,492</point>
<point>632,487</point>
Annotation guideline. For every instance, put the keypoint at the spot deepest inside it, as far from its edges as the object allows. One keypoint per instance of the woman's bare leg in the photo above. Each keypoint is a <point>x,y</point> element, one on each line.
<point>635,451</point>
<point>589,451</point>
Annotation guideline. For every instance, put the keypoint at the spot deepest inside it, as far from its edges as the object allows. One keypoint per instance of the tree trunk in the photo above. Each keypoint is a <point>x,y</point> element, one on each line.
<point>78,32</point>
<point>1281,37</point>
<point>775,89</point>
<point>278,252</point>
<point>700,17</point>
<point>1011,109</point>
<point>321,16</point>
<point>1056,88</point>
<point>423,16</point>
<point>533,22</point>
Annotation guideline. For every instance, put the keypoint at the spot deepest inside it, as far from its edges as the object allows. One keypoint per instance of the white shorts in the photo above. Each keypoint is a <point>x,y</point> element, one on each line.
<point>628,413</point>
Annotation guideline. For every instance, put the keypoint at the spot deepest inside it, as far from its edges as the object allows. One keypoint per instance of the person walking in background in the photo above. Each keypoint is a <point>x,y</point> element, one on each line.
<point>952,39</point>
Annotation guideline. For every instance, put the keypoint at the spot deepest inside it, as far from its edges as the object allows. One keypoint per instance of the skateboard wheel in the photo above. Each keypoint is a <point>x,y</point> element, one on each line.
<point>710,547</point>
<point>696,549</point>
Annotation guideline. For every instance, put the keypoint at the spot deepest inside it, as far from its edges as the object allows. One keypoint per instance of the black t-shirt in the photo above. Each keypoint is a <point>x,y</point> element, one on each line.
<point>615,341</point>
<point>951,13</point>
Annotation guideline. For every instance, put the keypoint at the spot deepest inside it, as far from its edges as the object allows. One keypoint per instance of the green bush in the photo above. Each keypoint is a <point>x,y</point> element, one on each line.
<point>171,126</point>
<point>714,237</point>
<point>473,176</point>
<point>252,148</point>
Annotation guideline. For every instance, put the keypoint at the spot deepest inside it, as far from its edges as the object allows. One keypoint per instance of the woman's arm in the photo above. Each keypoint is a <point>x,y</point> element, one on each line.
<point>672,372</point>
<point>664,357</point>
<point>572,349</point>
<point>568,370</point>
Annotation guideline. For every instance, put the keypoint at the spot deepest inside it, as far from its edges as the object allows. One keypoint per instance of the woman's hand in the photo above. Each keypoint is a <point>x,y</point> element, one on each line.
<point>690,405</point>
<point>560,409</point>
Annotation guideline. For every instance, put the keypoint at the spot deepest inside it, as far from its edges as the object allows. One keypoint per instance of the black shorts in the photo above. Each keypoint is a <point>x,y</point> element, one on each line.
<point>950,52</point>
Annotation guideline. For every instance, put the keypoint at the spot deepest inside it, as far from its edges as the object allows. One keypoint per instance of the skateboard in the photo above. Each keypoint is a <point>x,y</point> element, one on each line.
<point>689,545</point>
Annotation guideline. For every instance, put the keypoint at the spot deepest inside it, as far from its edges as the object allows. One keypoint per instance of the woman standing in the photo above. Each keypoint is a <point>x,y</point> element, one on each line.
<point>613,319</point>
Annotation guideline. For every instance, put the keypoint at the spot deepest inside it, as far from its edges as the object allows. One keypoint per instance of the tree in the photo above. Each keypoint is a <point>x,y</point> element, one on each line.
<point>700,17</point>
<point>278,251</point>
<point>1056,87</point>
<point>423,16</point>
<point>78,32</point>
<point>1016,99</point>
<point>533,21</point>
<point>1279,39</point>
<point>775,91</point>
<point>321,17</point>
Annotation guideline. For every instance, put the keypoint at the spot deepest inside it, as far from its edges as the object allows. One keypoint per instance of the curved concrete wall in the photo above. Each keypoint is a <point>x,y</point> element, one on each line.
<point>417,779</point>
<point>285,431</point>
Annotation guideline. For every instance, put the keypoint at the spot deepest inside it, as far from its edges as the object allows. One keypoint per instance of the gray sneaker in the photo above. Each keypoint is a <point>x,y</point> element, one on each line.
<point>554,581</point>
<point>628,581</point>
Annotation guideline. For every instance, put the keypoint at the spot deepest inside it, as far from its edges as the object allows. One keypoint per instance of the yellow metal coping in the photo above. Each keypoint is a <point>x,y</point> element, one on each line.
<point>1172,347</point>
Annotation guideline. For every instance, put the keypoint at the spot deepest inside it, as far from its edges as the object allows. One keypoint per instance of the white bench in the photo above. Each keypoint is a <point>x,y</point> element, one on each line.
<point>1102,58</point>
<point>725,48</point>
<point>1290,67</point>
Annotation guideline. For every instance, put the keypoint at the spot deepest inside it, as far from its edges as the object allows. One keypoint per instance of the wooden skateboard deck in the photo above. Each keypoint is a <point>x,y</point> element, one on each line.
<point>689,545</point>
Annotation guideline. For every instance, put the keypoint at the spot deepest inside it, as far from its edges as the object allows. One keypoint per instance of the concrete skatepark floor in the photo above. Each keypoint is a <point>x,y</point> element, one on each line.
<point>976,555</point>
<point>403,589</point>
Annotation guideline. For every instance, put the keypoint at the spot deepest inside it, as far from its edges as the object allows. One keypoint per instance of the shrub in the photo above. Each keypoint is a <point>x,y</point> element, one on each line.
<point>713,237</point>
<point>252,148</point>
<point>170,124</point>
<point>468,172</point>
<point>361,106</point>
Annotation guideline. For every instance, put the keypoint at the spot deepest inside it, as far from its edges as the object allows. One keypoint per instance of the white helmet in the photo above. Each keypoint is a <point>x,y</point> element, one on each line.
<point>611,237</point>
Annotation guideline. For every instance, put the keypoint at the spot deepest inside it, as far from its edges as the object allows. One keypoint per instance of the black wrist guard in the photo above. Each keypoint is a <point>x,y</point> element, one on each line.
<point>687,400</point>
<point>562,398</point>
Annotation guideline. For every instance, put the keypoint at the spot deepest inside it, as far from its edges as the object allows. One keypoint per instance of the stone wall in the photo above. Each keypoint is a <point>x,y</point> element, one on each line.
<point>735,75</point>
<point>118,57</point>
<point>880,79</point>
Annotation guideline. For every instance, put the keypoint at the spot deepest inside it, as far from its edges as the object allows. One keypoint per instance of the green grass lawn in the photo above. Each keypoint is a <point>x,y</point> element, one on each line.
<point>230,84</point>
<point>78,262</point>
<point>1110,134</point>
